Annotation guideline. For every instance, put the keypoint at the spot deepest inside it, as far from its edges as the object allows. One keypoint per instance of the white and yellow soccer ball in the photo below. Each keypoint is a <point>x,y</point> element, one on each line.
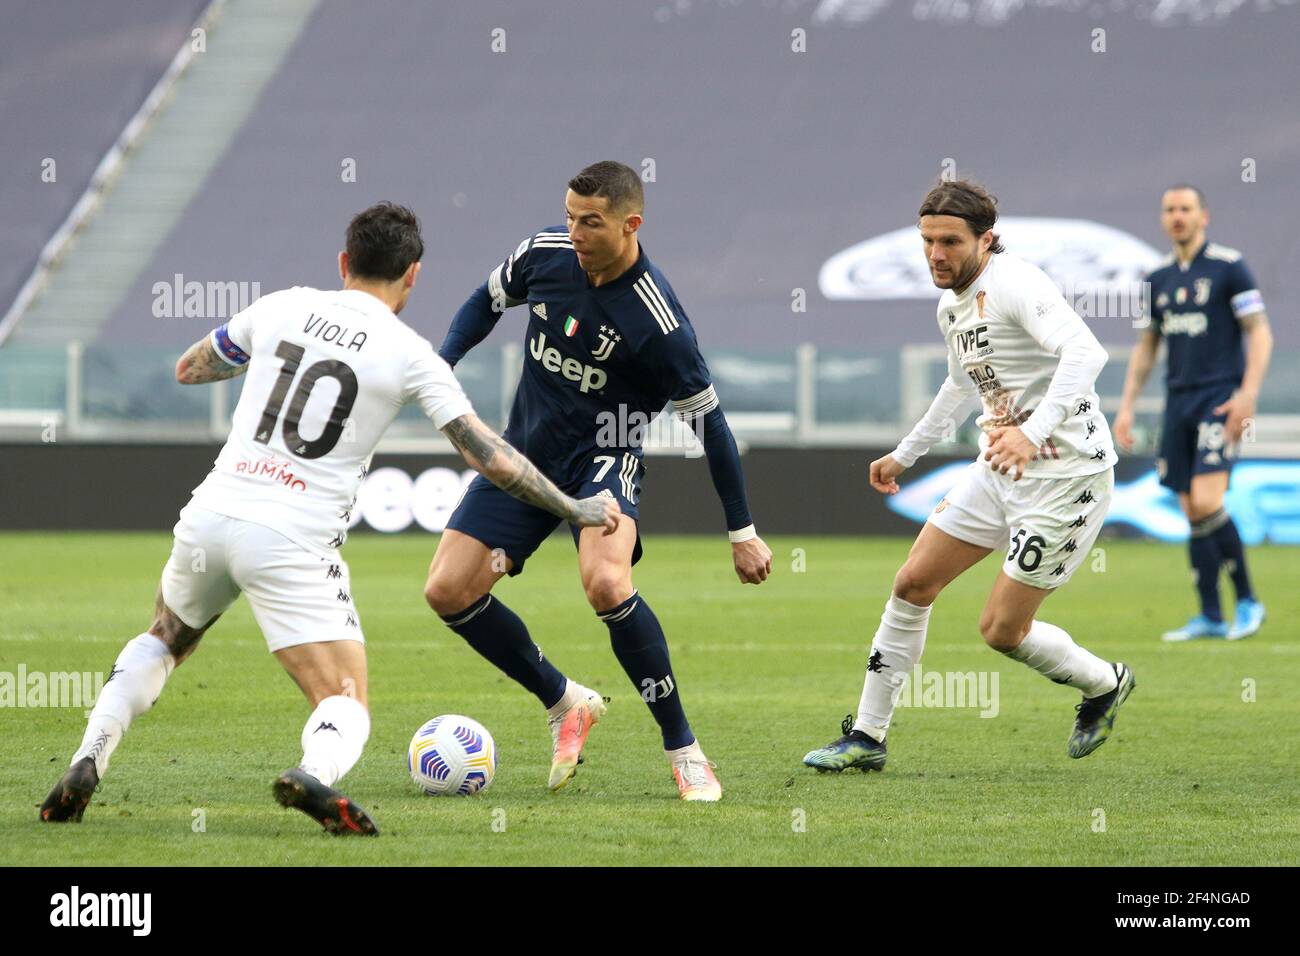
<point>452,756</point>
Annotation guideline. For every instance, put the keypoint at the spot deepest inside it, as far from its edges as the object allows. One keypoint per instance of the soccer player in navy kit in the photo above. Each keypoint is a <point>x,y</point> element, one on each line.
<point>1206,306</point>
<point>607,345</point>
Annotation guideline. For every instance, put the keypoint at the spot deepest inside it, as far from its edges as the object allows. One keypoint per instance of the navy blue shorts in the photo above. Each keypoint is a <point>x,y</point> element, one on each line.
<point>488,514</point>
<point>1193,442</point>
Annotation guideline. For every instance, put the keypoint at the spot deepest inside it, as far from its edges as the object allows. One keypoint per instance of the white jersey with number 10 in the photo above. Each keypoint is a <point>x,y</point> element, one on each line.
<point>328,371</point>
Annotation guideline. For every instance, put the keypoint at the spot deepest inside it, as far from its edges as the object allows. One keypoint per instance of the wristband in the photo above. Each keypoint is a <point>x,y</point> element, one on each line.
<point>746,533</point>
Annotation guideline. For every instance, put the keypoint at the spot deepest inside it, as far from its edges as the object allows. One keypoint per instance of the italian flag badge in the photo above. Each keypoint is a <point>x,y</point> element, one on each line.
<point>570,326</point>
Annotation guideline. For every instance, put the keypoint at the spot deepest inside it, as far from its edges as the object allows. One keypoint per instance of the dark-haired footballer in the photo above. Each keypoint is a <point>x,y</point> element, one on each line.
<point>1206,306</point>
<point>271,516</point>
<point>1040,487</point>
<point>607,340</point>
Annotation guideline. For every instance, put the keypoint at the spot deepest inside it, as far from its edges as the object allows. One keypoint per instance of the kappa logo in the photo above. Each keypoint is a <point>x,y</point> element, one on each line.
<point>539,310</point>
<point>333,572</point>
<point>875,664</point>
<point>324,725</point>
<point>609,337</point>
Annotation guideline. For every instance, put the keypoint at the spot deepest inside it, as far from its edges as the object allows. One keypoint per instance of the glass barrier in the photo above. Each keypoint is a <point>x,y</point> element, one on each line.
<point>776,396</point>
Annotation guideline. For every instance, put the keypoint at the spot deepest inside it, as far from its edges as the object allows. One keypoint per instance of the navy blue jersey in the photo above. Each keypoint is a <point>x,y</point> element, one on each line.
<point>1197,309</point>
<point>599,363</point>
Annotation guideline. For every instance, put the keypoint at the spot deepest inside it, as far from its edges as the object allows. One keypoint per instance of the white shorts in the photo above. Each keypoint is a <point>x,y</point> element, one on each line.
<point>297,597</point>
<point>1047,525</point>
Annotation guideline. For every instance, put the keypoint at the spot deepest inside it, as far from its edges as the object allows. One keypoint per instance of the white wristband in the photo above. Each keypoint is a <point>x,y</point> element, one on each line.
<point>742,534</point>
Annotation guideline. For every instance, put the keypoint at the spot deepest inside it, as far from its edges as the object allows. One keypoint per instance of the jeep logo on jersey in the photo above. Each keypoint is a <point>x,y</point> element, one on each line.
<point>1078,254</point>
<point>972,339</point>
<point>587,376</point>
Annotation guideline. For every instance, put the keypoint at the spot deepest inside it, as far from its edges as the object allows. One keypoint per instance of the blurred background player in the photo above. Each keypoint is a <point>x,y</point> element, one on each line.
<point>1041,487</point>
<point>607,346</point>
<point>1206,306</point>
<point>328,371</point>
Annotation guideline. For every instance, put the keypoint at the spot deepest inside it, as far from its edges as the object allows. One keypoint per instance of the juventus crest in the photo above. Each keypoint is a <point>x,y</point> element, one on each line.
<point>609,337</point>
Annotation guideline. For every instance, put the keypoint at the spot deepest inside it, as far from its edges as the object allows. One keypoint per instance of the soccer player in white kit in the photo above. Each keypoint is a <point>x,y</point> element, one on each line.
<point>1039,488</point>
<point>328,371</point>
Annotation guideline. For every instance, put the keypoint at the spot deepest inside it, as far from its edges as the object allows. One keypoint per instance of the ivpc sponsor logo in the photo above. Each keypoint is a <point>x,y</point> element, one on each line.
<point>73,909</point>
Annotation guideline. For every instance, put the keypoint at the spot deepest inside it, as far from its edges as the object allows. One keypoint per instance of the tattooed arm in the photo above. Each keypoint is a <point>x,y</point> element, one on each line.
<point>500,463</point>
<point>201,364</point>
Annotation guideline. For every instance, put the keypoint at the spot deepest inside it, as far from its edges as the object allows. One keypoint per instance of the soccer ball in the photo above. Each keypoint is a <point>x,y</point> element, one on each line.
<point>452,756</point>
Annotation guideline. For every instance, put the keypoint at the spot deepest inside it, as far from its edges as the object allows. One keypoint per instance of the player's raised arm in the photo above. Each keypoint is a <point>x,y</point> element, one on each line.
<point>1046,316</point>
<point>212,358</point>
<point>950,408</point>
<point>506,286</point>
<point>496,460</point>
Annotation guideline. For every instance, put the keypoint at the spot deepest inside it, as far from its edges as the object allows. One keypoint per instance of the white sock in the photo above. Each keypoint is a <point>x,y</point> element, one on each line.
<point>1050,651</point>
<point>573,692</point>
<point>895,650</point>
<point>691,750</point>
<point>333,738</point>
<point>136,681</point>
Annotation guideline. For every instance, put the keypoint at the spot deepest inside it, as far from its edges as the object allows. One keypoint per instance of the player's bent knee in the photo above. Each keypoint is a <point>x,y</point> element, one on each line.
<point>913,588</point>
<point>1201,508</point>
<point>607,590</point>
<point>1001,634</point>
<point>447,596</point>
<point>179,637</point>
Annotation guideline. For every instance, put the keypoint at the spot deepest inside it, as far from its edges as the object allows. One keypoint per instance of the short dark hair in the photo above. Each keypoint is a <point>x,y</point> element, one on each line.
<point>965,200</point>
<point>1200,196</point>
<point>613,181</point>
<point>383,241</point>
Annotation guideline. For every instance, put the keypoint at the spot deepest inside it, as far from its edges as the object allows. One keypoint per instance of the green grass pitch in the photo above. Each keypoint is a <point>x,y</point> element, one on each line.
<point>1201,768</point>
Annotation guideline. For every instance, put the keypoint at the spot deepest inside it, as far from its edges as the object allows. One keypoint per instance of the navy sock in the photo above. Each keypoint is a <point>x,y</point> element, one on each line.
<point>496,632</point>
<point>1234,556</point>
<point>640,646</point>
<point>1206,561</point>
